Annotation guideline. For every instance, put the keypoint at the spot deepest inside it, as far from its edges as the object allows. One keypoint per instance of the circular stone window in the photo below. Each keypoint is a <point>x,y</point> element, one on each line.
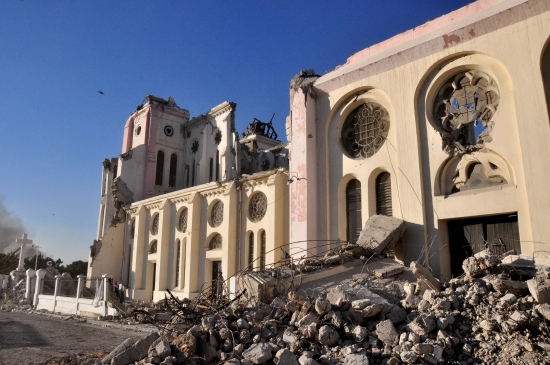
<point>138,130</point>
<point>169,131</point>
<point>182,222</point>
<point>365,130</point>
<point>216,216</point>
<point>257,207</point>
<point>463,110</point>
<point>155,225</point>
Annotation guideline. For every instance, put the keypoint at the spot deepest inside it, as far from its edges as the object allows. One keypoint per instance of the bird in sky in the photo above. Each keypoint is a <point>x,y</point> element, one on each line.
<point>101,92</point>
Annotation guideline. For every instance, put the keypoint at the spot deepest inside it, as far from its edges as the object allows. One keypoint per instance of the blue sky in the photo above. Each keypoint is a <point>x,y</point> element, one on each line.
<point>55,56</point>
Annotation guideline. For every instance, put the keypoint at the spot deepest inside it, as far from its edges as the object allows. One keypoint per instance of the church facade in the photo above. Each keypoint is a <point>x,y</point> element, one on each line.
<point>189,200</point>
<point>445,126</point>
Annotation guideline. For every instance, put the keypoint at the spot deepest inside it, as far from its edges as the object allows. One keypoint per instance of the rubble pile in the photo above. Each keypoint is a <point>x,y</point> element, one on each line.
<point>13,299</point>
<point>487,316</point>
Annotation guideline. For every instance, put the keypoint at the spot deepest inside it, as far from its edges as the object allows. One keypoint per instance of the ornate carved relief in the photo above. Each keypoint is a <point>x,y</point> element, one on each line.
<point>365,130</point>
<point>216,216</point>
<point>257,207</point>
<point>463,110</point>
<point>475,171</point>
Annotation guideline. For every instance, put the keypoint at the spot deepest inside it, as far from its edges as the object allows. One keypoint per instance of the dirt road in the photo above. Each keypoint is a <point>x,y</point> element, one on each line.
<point>33,339</point>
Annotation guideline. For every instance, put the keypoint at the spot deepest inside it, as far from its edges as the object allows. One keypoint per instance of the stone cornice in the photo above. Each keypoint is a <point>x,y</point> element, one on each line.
<point>180,199</point>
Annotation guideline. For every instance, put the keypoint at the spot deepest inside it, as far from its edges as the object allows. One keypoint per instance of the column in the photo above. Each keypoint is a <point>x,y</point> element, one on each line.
<point>56,291</point>
<point>38,288</point>
<point>28,289</point>
<point>81,283</point>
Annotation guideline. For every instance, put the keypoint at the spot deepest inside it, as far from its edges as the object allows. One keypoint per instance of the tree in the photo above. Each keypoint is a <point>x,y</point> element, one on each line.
<point>76,268</point>
<point>8,262</point>
<point>43,263</point>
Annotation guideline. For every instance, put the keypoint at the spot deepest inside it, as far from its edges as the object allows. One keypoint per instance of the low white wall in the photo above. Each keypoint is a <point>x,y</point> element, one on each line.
<point>67,305</point>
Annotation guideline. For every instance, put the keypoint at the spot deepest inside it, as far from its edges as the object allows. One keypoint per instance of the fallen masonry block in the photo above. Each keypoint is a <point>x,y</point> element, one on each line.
<point>481,261</point>
<point>388,271</point>
<point>126,344</point>
<point>424,276</point>
<point>380,234</point>
<point>258,353</point>
<point>518,288</point>
<point>539,287</point>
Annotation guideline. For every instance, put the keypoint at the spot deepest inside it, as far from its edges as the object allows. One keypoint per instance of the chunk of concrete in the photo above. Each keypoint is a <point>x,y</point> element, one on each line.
<point>424,275</point>
<point>258,353</point>
<point>380,234</point>
<point>286,357</point>
<point>422,325</point>
<point>163,349</point>
<point>328,336</point>
<point>518,288</point>
<point>386,333</point>
<point>186,344</point>
<point>126,344</point>
<point>539,287</point>
<point>388,271</point>
<point>137,352</point>
<point>481,261</point>
<point>356,359</point>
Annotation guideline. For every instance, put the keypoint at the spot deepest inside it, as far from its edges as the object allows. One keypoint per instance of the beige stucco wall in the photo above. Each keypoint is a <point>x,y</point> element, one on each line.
<point>503,38</point>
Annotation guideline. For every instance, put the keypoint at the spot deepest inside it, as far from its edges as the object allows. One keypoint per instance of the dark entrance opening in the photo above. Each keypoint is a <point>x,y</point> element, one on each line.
<point>217,278</point>
<point>499,233</point>
<point>154,277</point>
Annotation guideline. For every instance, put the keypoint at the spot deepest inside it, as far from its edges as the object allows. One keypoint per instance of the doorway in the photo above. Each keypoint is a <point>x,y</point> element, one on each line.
<point>217,277</point>
<point>499,233</point>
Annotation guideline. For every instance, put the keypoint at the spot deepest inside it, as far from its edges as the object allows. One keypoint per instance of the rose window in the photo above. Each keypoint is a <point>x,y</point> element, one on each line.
<point>218,137</point>
<point>182,223</point>
<point>217,214</point>
<point>258,207</point>
<point>195,146</point>
<point>463,110</point>
<point>365,130</point>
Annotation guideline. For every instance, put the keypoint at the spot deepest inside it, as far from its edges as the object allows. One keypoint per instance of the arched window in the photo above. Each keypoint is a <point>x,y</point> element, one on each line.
<point>173,168</point>
<point>153,247</point>
<point>383,194</point>
<point>262,250</point>
<point>353,210</point>
<point>217,165</point>
<point>193,175</point>
<point>211,175</point>
<point>178,259</point>
<point>160,168</point>
<point>186,176</point>
<point>251,251</point>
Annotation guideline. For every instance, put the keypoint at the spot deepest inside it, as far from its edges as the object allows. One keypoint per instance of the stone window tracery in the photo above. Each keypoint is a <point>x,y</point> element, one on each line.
<point>195,146</point>
<point>155,225</point>
<point>215,243</point>
<point>463,111</point>
<point>217,214</point>
<point>257,207</point>
<point>182,222</point>
<point>365,130</point>
<point>153,247</point>
<point>218,137</point>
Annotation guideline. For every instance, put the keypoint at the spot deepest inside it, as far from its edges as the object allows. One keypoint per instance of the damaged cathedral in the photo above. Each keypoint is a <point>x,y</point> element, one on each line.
<point>445,126</point>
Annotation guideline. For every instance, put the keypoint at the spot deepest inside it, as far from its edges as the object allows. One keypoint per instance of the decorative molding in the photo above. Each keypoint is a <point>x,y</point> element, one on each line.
<point>256,182</point>
<point>180,199</point>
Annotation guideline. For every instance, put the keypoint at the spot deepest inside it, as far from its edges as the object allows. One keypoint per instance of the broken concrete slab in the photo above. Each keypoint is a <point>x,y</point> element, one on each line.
<point>126,344</point>
<point>258,353</point>
<point>539,287</point>
<point>424,275</point>
<point>380,234</point>
<point>518,288</point>
<point>389,271</point>
<point>481,261</point>
<point>386,333</point>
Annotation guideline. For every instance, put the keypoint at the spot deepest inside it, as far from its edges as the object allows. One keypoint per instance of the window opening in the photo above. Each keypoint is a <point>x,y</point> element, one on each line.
<point>262,251</point>
<point>193,176</point>
<point>160,168</point>
<point>173,168</point>
<point>365,130</point>
<point>251,251</point>
<point>353,210</point>
<point>178,258</point>
<point>217,165</point>
<point>211,173</point>
<point>383,194</point>
<point>186,176</point>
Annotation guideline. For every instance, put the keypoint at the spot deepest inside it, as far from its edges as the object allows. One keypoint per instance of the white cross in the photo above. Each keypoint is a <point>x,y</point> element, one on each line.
<point>22,241</point>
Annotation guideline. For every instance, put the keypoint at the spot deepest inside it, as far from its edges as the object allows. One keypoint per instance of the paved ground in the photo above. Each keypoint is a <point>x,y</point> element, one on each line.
<point>34,339</point>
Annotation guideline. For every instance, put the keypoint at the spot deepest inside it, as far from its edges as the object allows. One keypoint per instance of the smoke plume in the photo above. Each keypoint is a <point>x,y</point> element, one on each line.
<point>11,228</point>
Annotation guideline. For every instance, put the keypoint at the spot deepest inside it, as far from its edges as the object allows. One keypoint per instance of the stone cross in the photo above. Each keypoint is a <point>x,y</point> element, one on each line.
<point>23,242</point>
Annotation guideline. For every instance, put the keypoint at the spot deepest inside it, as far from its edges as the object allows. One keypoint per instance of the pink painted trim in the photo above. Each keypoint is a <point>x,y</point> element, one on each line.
<point>425,29</point>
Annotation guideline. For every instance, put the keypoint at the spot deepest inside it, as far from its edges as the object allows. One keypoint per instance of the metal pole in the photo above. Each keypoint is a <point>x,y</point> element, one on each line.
<point>36,258</point>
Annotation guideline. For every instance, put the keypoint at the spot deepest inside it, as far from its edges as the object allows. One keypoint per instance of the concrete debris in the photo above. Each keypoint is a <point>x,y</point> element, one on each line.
<point>380,234</point>
<point>425,277</point>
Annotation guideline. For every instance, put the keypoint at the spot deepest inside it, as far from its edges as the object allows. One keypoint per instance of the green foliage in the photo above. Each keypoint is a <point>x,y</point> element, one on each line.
<point>76,268</point>
<point>43,263</point>
<point>8,262</point>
